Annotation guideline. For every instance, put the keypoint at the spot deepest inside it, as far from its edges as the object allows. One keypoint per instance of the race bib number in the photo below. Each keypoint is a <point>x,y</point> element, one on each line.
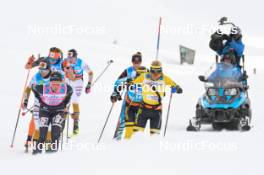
<point>153,98</point>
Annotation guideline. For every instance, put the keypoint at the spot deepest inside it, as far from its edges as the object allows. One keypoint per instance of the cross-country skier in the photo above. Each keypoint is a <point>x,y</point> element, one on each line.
<point>40,78</point>
<point>55,58</point>
<point>133,97</point>
<point>53,98</point>
<point>74,69</point>
<point>153,90</point>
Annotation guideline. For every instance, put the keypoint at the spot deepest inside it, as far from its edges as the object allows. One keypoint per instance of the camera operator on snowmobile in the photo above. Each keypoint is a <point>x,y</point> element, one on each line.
<point>221,43</point>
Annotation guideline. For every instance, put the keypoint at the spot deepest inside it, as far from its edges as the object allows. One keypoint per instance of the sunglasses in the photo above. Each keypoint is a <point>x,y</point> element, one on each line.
<point>156,71</point>
<point>70,54</point>
<point>55,82</point>
<point>43,70</point>
<point>54,55</point>
<point>136,62</point>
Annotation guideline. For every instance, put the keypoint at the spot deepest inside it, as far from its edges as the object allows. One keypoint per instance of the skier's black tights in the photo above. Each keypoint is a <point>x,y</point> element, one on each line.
<point>55,135</point>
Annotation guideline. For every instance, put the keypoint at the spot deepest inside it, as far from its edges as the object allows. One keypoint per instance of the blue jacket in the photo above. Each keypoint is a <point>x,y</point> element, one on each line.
<point>225,71</point>
<point>134,93</point>
<point>237,45</point>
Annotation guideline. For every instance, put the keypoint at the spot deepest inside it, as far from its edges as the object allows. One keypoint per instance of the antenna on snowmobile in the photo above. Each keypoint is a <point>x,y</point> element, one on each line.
<point>223,21</point>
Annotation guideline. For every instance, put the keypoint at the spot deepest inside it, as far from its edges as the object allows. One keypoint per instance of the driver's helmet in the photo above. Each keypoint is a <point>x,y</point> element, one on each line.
<point>230,57</point>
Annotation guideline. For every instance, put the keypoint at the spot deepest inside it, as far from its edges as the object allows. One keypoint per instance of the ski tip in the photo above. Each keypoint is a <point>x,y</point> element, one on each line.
<point>11,146</point>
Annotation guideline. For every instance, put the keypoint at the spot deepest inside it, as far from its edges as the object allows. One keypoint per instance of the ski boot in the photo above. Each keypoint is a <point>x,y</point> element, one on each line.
<point>36,151</point>
<point>191,127</point>
<point>50,149</point>
<point>37,148</point>
<point>244,124</point>
<point>27,145</point>
<point>75,128</point>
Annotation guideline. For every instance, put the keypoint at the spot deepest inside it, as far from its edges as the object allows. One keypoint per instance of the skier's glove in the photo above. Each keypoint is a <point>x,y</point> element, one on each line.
<point>226,37</point>
<point>202,78</point>
<point>115,96</point>
<point>25,104</point>
<point>88,88</point>
<point>245,76</point>
<point>30,61</point>
<point>173,89</point>
<point>177,90</point>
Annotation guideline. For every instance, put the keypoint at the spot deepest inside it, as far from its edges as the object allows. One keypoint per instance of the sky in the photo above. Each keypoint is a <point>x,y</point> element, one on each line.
<point>130,23</point>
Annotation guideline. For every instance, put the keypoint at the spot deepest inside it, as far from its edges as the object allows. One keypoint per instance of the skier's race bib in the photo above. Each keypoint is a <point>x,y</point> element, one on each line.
<point>54,98</point>
<point>152,98</point>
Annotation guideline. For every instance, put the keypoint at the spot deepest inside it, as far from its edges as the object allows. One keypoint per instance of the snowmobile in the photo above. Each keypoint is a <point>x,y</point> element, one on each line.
<point>225,103</point>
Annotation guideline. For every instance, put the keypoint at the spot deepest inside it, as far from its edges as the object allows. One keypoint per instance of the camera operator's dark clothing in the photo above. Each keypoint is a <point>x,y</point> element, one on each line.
<point>222,44</point>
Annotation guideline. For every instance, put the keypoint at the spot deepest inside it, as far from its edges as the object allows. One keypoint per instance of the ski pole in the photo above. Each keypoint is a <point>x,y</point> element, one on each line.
<point>61,141</point>
<point>97,78</point>
<point>158,40</point>
<point>67,131</point>
<point>105,122</point>
<point>19,111</point>
<point>120,123</point>
<point>167,118</point>
<point>28,110</point>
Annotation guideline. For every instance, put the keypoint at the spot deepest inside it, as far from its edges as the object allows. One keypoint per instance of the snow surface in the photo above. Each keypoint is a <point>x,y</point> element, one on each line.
<point>133,24</point>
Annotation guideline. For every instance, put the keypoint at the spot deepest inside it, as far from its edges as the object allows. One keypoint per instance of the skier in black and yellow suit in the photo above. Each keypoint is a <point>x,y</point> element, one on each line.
<point>153,90</point>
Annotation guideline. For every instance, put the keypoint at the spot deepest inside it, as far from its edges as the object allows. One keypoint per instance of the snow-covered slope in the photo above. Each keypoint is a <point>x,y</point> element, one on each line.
<point>133,24</point>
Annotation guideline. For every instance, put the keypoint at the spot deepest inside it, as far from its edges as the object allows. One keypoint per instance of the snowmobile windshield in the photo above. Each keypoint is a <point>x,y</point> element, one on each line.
<point>224,75</point>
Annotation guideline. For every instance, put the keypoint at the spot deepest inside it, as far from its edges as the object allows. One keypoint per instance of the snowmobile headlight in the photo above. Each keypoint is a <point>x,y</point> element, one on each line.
<point>212,92</point>
<point>231,92</point>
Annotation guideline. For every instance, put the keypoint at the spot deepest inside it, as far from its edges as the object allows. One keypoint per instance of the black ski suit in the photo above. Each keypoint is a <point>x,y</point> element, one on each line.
<point>52,106</point>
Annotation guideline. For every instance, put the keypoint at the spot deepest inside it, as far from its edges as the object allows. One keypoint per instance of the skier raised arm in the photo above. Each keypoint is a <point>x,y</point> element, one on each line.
<point>55,58</point>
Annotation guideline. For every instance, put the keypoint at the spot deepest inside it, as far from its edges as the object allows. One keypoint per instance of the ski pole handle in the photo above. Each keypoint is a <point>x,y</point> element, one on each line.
<point>27,111</point>
<point>99,76</point>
